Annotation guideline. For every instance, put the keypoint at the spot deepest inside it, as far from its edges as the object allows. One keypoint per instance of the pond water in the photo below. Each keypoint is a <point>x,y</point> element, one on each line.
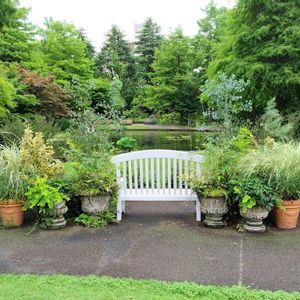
<point>164,139</point>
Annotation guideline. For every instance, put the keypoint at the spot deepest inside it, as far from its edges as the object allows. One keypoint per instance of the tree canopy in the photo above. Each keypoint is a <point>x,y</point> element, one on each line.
<point>240,59</point>
<point>173,89</point>
<point>261,43</point>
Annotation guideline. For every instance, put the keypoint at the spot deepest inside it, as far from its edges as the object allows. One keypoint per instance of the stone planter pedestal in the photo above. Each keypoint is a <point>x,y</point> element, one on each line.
<point>94,205</point>
<point>214,209</point>
<point>58,220</point>
<point>254,219</point>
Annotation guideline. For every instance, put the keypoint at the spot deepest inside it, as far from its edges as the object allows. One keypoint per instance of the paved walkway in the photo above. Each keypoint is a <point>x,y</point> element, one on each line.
<point>161,242</point>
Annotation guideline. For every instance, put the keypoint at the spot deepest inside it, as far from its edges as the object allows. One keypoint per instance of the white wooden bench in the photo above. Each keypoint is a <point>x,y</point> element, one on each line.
<point>156,175</point>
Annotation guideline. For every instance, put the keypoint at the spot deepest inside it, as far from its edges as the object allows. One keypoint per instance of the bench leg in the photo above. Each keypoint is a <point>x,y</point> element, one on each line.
<point>198,211</point>
<point>119,210</point>
<point>123,207</point>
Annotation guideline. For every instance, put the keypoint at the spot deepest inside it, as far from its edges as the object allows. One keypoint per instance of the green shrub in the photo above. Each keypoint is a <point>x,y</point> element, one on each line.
<point>170,118</point>
<point>223,153</point>
<point>224,98</point>
<point>43,197</point>
<point>37,156</point>
<point>273,123</point>
<point>90,133</point>
<point>95,175</point>
<point>126,143</point>
<point>96,221</point>
<point>253,191</point>
<point>12,128</point>
<point>206,186</point>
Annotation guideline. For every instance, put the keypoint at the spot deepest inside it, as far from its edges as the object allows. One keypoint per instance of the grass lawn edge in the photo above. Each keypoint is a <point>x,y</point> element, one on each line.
<point>17,286</point>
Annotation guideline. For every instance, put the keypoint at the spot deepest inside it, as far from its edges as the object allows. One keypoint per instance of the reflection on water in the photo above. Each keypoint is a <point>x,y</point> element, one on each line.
<point>176,140</point>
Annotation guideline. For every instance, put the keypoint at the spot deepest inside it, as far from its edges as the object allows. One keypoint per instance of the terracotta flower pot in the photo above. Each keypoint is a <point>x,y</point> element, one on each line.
<point>12,214</point>
<point>288,216</point>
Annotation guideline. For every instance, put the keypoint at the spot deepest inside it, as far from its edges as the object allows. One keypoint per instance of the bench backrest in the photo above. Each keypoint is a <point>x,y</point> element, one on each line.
<point>157,169</point>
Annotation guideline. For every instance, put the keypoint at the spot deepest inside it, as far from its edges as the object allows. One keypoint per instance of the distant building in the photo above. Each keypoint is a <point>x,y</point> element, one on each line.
<point>132,44</point>
<point>137,29</point>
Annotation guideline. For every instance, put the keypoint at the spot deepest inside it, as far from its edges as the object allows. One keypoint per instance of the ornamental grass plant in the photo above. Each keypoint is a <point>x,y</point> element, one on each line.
<point>278,163</point>
<point>12,185</point>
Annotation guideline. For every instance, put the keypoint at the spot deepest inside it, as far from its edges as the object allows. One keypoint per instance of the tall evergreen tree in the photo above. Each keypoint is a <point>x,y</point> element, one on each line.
<point>149,39</point>
<point>115,59</point>
<point>174,89</point>
<point>262,44</point>
<point>90,49</point>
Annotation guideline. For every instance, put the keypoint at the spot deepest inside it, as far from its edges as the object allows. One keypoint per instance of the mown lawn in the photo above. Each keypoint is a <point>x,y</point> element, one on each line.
<point>92,287</point>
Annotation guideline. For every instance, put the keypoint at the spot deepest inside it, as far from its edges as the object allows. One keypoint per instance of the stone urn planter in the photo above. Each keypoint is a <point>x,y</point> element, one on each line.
<point>94,205</point>
<point>58,220</point>
<point>254,219</point>
<point>214,208</point>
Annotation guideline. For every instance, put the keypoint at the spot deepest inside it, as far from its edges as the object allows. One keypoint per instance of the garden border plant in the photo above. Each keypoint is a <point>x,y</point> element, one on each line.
<point>12,186</point>
<point>49,203</point>
<point>256,198</point>
<point>278,164</point>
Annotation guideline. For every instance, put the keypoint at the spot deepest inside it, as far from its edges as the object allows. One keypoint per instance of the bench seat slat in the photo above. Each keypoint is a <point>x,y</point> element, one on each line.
<point>158,195</point>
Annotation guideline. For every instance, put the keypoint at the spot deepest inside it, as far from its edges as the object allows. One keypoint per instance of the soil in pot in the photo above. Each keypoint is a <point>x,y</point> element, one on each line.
<point>12,214</point>
<point>287,217</point>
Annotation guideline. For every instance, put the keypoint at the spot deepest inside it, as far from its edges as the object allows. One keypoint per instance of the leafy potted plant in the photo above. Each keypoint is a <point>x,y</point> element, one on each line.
<point>256,199</point>
<point>279,164</point>
<point>12,186</point>
<point>95,183</point>
<point>212,195</point>
<point>49,202</point>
